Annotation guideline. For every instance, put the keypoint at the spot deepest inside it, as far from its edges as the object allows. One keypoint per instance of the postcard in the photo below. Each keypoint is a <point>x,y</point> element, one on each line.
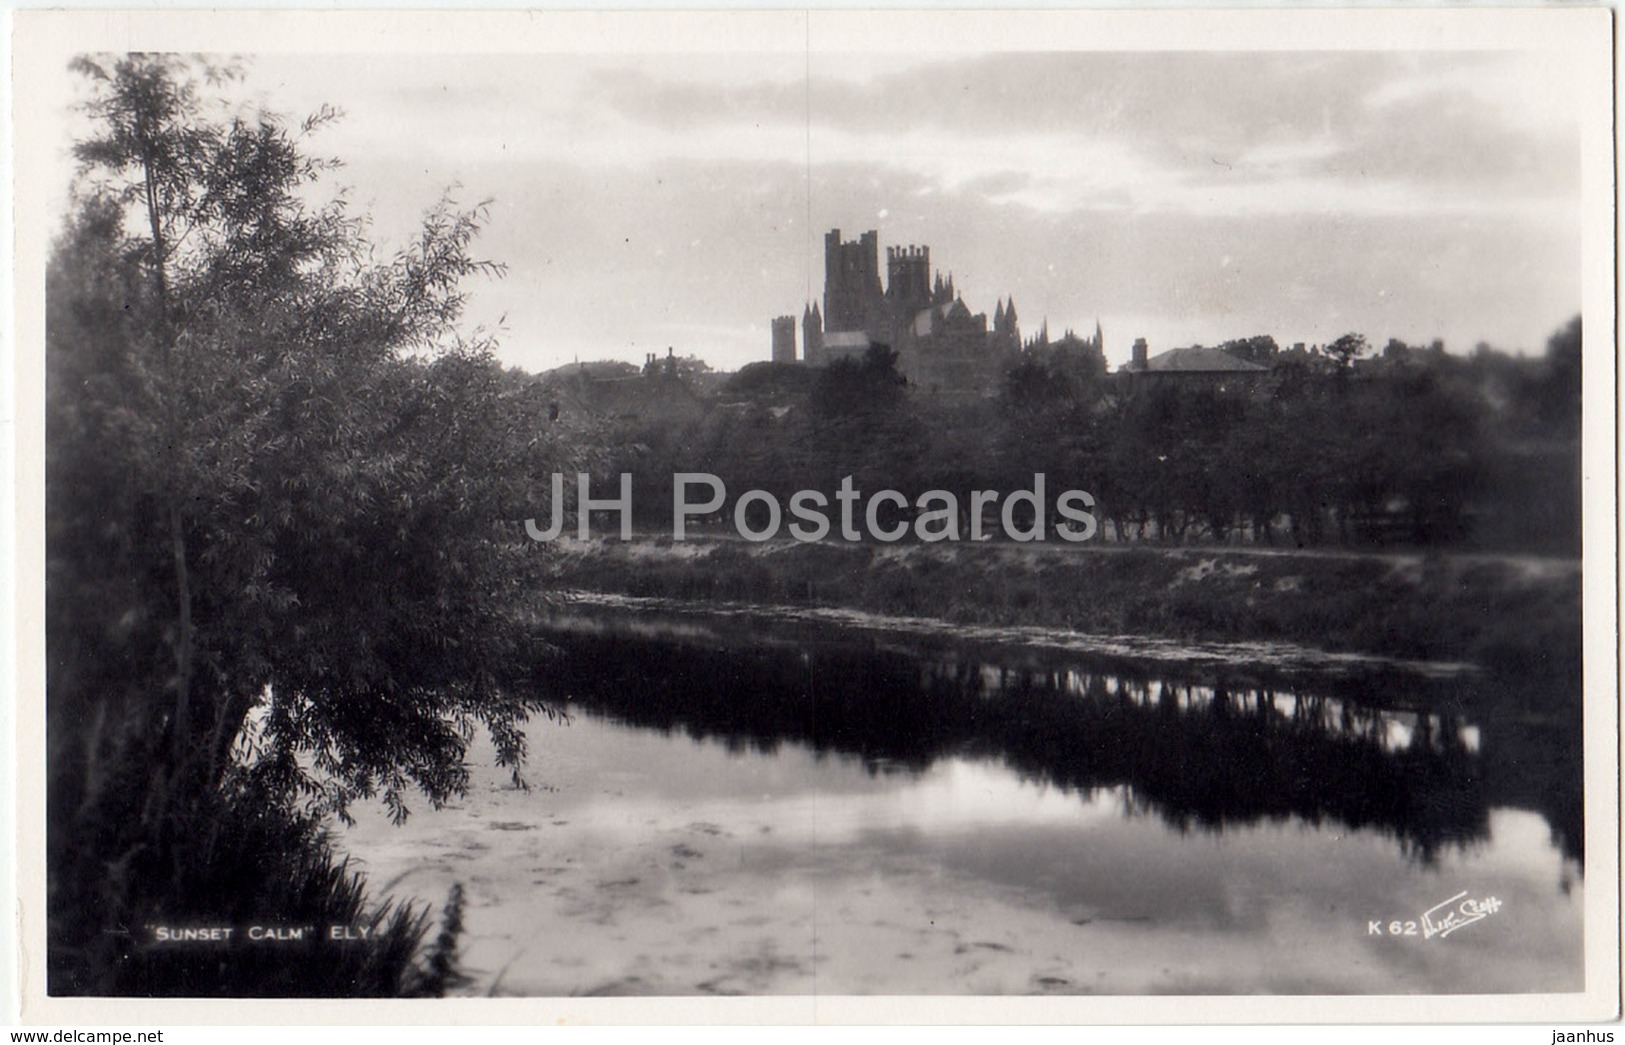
<point>809,516</point>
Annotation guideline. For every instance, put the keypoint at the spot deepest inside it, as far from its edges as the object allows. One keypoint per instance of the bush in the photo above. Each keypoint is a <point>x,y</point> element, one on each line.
<point>236,860</point>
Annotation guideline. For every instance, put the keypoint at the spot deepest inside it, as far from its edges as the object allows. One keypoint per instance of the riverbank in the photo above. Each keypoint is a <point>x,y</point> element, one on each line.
<point>1514,615</point>
<point>810,770</point>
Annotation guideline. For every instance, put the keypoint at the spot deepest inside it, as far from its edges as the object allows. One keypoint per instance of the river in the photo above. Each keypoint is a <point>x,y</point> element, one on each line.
<point>739,804</point>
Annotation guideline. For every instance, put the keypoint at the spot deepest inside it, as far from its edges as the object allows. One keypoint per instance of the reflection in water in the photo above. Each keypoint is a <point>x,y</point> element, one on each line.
<point>867,813</point>
<point>1201,756</point>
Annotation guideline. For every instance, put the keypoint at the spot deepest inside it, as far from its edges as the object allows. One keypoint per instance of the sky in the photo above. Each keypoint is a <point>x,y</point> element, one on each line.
<point>648,201</point>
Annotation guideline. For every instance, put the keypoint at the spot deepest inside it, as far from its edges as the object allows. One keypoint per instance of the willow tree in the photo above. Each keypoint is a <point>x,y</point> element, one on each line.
<point>284,492</point>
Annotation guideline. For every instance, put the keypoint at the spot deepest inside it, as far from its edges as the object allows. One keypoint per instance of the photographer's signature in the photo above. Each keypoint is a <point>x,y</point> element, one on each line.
<point>1439,920</point>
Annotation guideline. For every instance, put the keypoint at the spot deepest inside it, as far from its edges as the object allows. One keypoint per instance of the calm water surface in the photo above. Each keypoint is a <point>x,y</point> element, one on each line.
<point>771,810</point>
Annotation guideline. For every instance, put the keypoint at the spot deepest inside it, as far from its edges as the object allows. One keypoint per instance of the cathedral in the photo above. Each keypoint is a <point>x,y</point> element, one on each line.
<point>941,345</point>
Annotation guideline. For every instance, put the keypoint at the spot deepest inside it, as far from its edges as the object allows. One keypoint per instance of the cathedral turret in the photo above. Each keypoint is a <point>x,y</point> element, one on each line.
<point>812,335</point>
<point>1006,335</point>
<point>852,291</point>
<point>784,339</point>
<point>908,280</point>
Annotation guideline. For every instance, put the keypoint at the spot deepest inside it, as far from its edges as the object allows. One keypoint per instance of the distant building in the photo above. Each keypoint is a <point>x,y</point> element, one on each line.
<point>1084,356</point>
<point>812,335</point>
<point>844,344</point>
<point>941,344</point>
<point>1193,367</point>
<point>1199,360</point>
<point>853,298</point>
<point>659,392</point>
<point>784,339</point>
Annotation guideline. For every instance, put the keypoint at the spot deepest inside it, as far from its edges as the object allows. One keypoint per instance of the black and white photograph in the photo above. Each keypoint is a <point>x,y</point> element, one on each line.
<point>1037,507</point>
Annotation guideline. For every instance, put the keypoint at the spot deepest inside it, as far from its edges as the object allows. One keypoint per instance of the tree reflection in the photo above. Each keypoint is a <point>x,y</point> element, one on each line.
<point>1202,756</point>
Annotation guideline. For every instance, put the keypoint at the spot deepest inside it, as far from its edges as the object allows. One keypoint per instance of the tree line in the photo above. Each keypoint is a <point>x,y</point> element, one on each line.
<point>1412,446</point>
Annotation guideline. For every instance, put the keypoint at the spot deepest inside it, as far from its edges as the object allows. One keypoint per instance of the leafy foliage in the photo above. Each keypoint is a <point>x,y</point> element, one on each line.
<point>284,493</point>
<point>1415,447</point>
<point>1346,349</point>
<point>854,386</point>
<point>237,858</point>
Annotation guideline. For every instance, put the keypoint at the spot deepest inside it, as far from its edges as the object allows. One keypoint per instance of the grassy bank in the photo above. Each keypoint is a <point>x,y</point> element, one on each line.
<point>1509,614</point>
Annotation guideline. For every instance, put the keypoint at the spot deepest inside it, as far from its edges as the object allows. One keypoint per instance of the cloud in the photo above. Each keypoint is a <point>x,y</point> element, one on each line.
<point>1451,139</point>
<point>1375,132</point>
<point>681,199</point>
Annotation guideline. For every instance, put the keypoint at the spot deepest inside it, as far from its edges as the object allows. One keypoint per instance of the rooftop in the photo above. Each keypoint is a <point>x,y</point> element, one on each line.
<point>1199,360</point>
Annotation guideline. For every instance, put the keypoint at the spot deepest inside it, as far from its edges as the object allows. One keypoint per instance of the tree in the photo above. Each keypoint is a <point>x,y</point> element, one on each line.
<point>850,386</point>
<point>1560,390</point>
<point>1260,349</point>
<point>1346,349</point>
<point>285,496</point>
<point>1028,381</point>
<point>1067,371</point>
